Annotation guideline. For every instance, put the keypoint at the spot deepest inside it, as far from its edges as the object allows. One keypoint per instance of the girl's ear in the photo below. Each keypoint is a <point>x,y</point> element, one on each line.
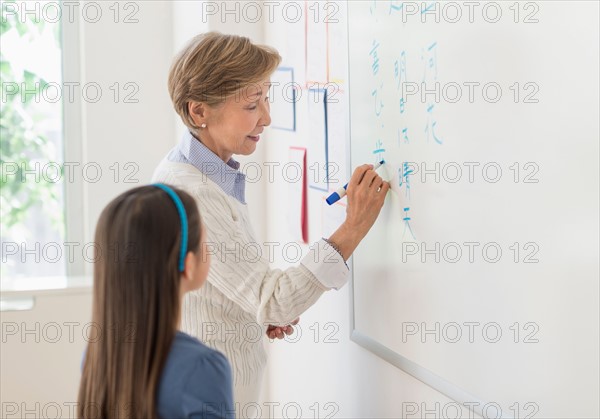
<point>189,270</point>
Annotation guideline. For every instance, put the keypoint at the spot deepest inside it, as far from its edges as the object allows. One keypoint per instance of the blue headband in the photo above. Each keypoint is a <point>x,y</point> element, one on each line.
<point>184,224</point>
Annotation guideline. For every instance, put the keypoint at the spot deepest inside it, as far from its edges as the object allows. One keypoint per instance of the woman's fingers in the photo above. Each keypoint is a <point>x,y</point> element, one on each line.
<point>368,178</point>
<point>279,332</point>
<point>276,333</point>
<point>365,177</point>
<point>383,189</point>
<point>377,181</point>
<point>365,200</point>
<point>386,187</point>
<point>358,174</point>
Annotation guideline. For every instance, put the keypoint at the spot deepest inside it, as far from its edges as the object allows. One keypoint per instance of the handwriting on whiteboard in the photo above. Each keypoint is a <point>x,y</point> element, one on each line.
<point>389,98</point>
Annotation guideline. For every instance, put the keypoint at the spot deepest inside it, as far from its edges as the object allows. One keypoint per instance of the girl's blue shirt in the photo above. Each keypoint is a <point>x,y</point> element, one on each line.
<point>196,382</point>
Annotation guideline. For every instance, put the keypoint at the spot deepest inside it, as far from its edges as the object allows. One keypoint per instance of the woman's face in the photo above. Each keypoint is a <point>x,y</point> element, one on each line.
<point>234,127</point>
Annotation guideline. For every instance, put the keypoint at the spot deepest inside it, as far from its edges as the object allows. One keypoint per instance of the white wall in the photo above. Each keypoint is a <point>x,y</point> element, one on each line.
<point>41,354</point>
<point>139,133</point>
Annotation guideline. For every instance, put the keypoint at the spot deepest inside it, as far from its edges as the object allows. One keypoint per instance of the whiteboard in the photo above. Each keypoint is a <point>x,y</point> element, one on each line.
<point>480,276</point>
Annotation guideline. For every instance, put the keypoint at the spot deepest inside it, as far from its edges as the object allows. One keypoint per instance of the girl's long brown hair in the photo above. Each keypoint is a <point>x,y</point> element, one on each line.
<point>136,302</point>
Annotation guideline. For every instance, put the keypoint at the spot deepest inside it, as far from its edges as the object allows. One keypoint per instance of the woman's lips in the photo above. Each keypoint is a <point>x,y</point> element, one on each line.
<point>254,138</point>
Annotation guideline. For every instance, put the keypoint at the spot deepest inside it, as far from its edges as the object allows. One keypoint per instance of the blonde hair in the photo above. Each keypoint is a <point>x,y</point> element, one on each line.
<point>213,67</point>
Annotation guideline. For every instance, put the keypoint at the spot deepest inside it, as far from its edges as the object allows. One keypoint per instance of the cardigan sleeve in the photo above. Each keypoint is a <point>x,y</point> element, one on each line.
<point>241,272</point>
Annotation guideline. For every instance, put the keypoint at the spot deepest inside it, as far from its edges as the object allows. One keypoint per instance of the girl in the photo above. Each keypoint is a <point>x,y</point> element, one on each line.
<point>150,253</point>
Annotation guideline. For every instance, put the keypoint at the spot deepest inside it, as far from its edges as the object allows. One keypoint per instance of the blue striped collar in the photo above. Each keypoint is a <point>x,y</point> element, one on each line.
<point>226,175</point>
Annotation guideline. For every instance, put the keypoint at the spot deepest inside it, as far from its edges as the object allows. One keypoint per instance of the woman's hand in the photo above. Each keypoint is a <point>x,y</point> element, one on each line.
<point>366,192</point>
<point>279,332</point>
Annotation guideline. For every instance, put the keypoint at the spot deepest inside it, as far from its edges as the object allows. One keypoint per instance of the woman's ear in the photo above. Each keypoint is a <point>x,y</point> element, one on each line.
<point>198,112</point>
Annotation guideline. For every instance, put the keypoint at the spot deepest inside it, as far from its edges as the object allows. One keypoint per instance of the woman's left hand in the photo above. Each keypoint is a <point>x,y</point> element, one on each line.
<point>279,332</point>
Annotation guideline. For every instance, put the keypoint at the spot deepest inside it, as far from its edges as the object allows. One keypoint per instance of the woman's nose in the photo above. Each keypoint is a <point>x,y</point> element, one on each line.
<point>265,119</point>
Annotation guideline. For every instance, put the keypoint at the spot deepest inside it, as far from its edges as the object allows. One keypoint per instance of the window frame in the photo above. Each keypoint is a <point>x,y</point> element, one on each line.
<point>73,142</point>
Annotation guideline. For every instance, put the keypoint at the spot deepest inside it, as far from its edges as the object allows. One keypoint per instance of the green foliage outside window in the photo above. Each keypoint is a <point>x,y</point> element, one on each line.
<point>25,144</point>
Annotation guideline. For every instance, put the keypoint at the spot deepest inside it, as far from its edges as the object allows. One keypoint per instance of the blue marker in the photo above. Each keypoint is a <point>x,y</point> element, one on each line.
<point>340,193</point>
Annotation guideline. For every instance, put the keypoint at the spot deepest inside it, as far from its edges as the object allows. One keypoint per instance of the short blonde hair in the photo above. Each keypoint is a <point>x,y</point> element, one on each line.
<point>213,67</point>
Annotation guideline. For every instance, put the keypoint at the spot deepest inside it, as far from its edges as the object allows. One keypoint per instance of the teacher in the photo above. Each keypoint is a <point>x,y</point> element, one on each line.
<point>219,85</point>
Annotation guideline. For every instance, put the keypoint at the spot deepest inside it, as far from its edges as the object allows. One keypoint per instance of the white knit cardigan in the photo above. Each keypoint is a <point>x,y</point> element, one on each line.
<point>243,294</point>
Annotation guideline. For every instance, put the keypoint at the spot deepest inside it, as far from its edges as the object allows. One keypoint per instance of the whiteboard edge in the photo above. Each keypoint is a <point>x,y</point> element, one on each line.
<point>420,373</point>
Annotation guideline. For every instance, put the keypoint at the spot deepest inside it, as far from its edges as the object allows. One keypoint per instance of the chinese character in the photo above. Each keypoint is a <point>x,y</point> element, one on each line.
<point>379,150</point>
<point>373,53</point>
<point>378,104</point>
<point>431,122</point>
<point>404,136</point>
<point>404,177</point>
<point>429,59</point>
<point>400,69</point>
<point>396,6</point>
<point>407,224</point>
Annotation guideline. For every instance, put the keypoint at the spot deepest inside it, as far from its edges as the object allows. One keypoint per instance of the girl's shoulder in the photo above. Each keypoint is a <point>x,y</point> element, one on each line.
<point>194,378</point>
<point>187,349</point>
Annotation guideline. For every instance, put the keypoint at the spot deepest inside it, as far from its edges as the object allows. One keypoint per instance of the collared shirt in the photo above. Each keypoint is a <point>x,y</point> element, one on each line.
<point>227,175</point>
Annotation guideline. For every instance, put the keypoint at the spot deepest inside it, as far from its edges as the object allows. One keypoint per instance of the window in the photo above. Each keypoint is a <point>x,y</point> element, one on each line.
<point>32,198</point>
